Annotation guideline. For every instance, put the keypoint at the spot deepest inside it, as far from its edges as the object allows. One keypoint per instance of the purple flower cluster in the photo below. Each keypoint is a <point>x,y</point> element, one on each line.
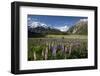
<point>53,50</point>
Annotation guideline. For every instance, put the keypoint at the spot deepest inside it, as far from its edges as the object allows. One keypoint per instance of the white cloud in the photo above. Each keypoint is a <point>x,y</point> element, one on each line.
<point>84,20</point>
<point>63,28</point>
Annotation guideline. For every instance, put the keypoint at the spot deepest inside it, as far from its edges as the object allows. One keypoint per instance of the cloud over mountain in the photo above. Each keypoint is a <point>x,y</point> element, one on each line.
<point>83,20</point>
<point>62,28</point>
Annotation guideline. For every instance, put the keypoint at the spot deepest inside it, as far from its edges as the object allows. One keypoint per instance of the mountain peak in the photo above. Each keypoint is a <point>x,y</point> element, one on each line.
<point>36,24</point>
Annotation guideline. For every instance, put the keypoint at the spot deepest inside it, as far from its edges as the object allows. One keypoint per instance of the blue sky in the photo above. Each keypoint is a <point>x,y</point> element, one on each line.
<point>54,21</point>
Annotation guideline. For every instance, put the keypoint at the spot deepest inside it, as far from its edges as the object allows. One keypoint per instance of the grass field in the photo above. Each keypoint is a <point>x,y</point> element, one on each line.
<point>53,47</point>
<point>68,36</point>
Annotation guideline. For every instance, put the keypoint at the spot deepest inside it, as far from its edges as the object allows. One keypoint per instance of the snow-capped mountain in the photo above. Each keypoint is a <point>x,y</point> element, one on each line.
<point>41,29</point>
<point>35,24</point>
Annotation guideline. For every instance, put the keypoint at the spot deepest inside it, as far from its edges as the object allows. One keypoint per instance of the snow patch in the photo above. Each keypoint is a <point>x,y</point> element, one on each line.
<point>35,24</point>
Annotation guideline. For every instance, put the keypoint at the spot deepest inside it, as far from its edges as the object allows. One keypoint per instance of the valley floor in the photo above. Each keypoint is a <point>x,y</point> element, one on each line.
<point>53,47</point>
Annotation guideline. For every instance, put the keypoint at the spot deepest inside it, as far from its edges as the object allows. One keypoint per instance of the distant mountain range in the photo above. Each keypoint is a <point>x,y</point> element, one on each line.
<point>81,27</point>
<point>36,25</point>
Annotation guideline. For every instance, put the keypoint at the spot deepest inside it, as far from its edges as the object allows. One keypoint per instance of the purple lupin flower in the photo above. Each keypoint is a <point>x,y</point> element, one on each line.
<point>59,47</point>
<point>62,48</point>
<point>53,49</point>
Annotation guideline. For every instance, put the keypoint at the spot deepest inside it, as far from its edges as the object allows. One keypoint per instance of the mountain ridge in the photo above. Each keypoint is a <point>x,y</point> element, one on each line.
<point>42,29</point>
<point>81,27</point>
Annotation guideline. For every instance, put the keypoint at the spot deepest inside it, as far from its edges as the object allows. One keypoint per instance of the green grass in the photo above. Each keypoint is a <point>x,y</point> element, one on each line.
<point>68,36</point>
<point>37,46</point>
